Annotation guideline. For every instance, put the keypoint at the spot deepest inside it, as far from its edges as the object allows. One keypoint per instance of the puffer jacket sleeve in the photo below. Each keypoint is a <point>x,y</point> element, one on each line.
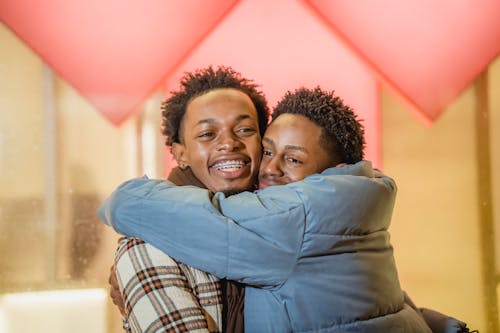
<point>261,249</point>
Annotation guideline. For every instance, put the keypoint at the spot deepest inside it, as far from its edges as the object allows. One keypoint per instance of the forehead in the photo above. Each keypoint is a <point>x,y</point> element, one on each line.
<point>293,129</point>
<point>220,105</point>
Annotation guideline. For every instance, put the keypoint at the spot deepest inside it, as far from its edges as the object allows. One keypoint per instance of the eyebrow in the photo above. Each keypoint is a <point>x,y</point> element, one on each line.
<point>287,147</point>
<point>268,141</point>
<point>214,120</point>
<point>292,147</point>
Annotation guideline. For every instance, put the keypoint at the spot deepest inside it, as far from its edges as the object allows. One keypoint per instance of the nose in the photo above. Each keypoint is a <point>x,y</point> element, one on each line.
<point>228,142</point>
<point>270,167</point>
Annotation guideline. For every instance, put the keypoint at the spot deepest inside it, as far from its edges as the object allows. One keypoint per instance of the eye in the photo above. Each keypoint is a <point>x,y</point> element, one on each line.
<point>245,131</point>
<point>267,153</point>
<point>293,160</point>
<point>206,135</point>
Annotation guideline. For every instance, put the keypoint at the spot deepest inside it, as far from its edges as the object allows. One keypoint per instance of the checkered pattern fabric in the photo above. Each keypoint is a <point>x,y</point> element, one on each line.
<point>163,295</point>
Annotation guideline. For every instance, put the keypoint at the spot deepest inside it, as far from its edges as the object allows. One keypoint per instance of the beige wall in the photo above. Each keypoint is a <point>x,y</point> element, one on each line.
<point>20,127</point>
<point>435,228</point>
<point>494,96</point>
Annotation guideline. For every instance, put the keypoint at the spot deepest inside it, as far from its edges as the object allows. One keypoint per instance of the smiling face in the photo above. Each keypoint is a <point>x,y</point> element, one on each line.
<point>220,140</point>
<point>292,150</point>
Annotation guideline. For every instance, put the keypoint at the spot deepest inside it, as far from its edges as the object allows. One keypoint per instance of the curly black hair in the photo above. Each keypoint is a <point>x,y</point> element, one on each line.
<point>200,82</point>
<point>342,133</point>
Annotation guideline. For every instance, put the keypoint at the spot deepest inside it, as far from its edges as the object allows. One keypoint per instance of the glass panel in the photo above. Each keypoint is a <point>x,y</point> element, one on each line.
<point>59,158</point>
<point>23,240</point>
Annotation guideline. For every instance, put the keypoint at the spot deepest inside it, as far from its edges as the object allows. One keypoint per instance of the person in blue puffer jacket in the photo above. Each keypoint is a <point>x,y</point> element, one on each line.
<point>311,265</point>
<point>315,254</point>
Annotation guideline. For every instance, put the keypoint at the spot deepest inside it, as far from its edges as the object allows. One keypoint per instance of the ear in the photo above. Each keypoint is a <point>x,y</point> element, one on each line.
<point>178,151</point>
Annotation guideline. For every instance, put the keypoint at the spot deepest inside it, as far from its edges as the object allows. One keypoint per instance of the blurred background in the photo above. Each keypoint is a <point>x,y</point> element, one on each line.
<point>80,90</point>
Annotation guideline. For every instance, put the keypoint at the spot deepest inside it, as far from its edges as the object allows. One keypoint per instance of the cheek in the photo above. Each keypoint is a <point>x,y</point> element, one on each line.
<point>263,164</point>
<point>316,168</point>
<point>253,144</point>
<point>197,158</point>
<point>297,174</point>
<point>257,161</point>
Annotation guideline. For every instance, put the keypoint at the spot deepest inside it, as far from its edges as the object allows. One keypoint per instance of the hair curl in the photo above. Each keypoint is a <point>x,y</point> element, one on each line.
<point>200,82</point>
<point>342,133</point>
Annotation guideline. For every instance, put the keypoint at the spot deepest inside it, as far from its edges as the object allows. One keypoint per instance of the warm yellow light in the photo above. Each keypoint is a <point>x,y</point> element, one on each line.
<point>82,310</point>
<point>52,297</point>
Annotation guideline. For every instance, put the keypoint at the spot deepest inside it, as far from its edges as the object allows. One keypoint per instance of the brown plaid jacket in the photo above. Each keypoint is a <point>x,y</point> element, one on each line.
<point>163,295</point>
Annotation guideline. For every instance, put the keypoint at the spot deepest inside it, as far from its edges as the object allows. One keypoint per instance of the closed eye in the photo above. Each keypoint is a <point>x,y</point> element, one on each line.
<point>246,130</point>
<point>206,135</point>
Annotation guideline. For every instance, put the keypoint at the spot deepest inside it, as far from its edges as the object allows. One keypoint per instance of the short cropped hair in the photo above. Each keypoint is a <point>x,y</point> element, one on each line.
<point>342,133</point>
<point>200,82</point>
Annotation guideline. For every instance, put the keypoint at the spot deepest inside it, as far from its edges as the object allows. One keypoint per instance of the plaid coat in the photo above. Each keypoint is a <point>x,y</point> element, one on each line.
<point>163,295</point>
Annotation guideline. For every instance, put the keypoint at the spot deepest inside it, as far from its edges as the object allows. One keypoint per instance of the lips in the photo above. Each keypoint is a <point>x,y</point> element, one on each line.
<point>231,167</point>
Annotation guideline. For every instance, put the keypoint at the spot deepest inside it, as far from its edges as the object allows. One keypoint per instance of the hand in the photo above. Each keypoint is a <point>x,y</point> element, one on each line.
<point>114,292</point>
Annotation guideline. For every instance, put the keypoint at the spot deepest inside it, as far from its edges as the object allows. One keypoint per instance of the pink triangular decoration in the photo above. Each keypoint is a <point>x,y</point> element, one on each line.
<point>428,50</point>
<point>113,52</point>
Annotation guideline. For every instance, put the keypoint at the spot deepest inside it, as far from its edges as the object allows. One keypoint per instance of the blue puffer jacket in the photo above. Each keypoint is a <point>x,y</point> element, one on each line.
<point>315,254</point>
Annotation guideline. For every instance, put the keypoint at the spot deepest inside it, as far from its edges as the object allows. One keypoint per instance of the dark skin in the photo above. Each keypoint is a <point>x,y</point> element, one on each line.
<point>292,150</point>
<point>220,141</point>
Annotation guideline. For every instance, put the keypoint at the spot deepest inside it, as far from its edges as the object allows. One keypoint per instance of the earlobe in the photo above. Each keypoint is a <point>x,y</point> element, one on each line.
<point>178,153</point>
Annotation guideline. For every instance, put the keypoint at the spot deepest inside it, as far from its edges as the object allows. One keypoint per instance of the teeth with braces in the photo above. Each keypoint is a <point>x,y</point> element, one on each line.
<point>229,165</point>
